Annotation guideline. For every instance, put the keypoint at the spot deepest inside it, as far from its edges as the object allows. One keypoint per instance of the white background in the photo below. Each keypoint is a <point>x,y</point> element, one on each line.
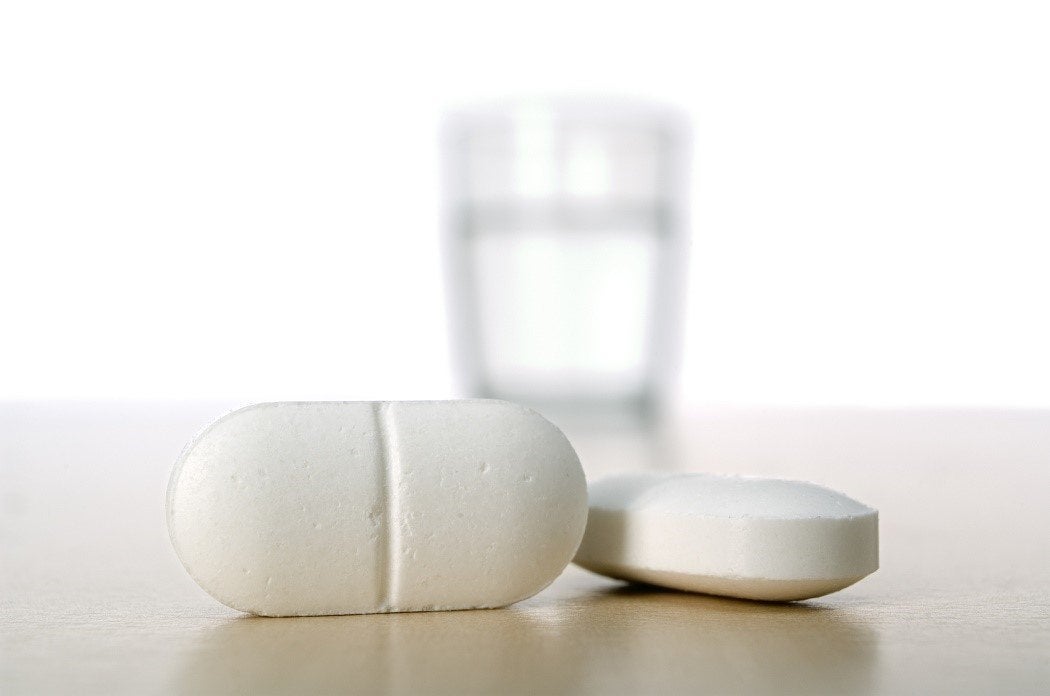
<point>208,199</point>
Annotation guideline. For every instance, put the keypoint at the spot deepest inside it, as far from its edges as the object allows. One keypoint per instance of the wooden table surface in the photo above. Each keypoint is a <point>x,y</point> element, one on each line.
<point>93,600</point>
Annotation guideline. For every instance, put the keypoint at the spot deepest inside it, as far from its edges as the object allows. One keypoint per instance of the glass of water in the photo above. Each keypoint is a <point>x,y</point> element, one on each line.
<point>566,229</point>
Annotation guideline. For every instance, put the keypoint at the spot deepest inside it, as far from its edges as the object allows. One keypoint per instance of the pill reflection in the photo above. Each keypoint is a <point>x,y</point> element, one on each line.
<point>678,641</point>
<point>621,639</point>
<point>480,651</point>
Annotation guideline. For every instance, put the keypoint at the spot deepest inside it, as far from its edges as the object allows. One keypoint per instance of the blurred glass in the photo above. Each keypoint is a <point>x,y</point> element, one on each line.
<point>566,224</point>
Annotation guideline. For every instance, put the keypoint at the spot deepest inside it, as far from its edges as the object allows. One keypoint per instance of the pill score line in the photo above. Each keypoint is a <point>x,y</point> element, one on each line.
<point>389,476</point>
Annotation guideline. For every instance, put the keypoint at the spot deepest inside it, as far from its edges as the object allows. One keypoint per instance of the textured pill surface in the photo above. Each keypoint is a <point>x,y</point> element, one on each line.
<point>750,538</point>
<point>298,509</point>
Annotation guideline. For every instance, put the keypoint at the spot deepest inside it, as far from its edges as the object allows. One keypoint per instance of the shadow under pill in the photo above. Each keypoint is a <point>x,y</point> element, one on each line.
<point>479,651</point>
<point>625,639</point>
<point>734,645</point>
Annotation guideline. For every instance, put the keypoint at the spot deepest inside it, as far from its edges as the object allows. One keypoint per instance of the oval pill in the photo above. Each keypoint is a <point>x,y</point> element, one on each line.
<point>750,538</point>
<point>298,509</point>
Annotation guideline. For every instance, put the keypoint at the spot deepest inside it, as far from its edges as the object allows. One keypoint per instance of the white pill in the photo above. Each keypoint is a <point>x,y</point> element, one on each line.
<point>297,509</point>
<point>741,537</point>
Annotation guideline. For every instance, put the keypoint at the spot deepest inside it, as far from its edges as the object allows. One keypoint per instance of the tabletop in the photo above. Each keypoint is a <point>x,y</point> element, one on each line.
<point>93,599</point>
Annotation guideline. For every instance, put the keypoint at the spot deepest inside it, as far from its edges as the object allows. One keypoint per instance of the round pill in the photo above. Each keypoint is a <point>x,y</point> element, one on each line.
<point>750,538</point>
<point>298,509</point>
